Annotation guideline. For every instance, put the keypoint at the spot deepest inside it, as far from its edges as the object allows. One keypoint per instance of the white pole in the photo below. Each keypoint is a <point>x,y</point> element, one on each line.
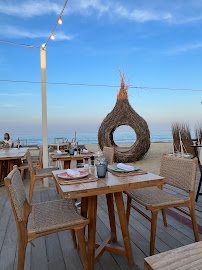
<point>44,112</point>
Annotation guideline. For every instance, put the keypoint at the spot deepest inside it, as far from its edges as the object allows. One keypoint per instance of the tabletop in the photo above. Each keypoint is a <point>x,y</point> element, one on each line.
<point>183,258</point>
<point>12,153</point>
<point>109,184</point>
<point>60,144</point>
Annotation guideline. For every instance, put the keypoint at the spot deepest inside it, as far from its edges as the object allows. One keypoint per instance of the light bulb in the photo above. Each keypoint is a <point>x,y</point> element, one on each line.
<point>60,20</point>
<point>52,36</point>
<point>43,45</point>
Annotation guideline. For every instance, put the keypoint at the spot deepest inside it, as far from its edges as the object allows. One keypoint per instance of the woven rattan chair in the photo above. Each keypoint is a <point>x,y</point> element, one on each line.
<point>109,154</point>
<point>179,173</point>
<point>46,218</point>
<point>36,163</point>
<point>37,174</point>
<point>25,166</point>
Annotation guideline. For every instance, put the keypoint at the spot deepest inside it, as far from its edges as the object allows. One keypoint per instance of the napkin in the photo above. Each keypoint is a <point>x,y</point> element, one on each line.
<point>85,151</point>
<point>72,173</point>
<point>125,167</point>
<point>59,152</point>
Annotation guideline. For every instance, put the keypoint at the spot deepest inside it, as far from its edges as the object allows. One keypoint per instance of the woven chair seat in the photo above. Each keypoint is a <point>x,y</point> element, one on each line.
<point>45,172</point>
<point>54,215</point>
<point>153,197</point>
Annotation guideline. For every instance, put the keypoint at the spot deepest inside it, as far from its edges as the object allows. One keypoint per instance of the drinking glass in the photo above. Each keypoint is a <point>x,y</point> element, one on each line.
<point>101,170</point>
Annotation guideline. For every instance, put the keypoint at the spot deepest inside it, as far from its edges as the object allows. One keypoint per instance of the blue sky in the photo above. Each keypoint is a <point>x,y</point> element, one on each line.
<point>158,42</point>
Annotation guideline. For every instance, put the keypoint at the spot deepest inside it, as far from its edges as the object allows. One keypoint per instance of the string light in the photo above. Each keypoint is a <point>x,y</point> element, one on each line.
<point>107,86</point>
<point>18,44</point>
<point>43,45</point>
<point>60,20</point>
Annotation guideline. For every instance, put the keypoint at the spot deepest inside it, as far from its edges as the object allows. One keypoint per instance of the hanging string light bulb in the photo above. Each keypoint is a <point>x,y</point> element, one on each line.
<point>43,45</point>
<point>60,20</point>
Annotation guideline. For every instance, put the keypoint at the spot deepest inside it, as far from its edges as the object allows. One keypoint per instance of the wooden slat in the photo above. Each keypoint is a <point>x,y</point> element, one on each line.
<point>184,258</point>
<point>12,153</point>
<point>38,251</point>
<point>173,236</point>
<point>110,184</point>
<point>7,255</point>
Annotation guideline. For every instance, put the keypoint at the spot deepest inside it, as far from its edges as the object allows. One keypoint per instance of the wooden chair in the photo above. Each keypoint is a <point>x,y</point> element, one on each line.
<point>37,174</point>
<point>109,154</point>
<point>37,163</point>
<point>179,173</point>
<point>46,218</point>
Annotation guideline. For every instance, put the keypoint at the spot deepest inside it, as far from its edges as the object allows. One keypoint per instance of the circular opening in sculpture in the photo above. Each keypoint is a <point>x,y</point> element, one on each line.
<point>124,138</point>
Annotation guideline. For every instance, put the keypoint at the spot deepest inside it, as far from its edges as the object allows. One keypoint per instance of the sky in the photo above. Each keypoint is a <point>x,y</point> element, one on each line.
<point>158,43</point>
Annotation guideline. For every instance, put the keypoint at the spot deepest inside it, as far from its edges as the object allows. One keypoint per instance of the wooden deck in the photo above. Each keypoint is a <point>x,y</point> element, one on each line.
<point>55,252</point>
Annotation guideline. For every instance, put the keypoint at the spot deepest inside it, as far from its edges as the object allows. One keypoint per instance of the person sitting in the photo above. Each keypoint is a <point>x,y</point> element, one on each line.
<point>7,142</point>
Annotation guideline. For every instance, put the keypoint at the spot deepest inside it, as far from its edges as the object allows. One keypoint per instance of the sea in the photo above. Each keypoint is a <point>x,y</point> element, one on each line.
<point>90,137</point>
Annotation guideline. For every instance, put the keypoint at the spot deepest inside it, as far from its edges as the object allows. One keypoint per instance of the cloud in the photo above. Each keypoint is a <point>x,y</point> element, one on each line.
<point>185,48</point>
<point>29,8</point>
<point>113,9</point>
<point>17,32</point>
<point>140,11</point>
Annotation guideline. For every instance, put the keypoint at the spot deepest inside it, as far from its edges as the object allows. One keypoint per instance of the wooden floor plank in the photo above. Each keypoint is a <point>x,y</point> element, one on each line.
<point>137,252</point>
<point>53,247</point>
<point>4,219</point>
<point>8,251</point>
<point>103,232</point>
<point>38,251</point>
<point>57,252</point>
<point>3,200</point>
<point>143,235</point>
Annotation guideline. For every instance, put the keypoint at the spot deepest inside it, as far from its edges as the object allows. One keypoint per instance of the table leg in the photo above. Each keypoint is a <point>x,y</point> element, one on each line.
<point>92,215</point>
<point>124,226</point>
<point>84,206</point>
<point>67,164</point>
<point>11,164</point>
<point>110,205</point>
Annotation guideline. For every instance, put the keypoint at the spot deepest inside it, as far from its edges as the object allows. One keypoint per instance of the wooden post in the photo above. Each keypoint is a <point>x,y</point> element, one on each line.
<point>44,111</point>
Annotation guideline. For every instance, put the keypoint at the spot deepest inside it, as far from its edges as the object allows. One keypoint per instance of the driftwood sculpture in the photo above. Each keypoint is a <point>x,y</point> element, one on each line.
<point>123,114</point>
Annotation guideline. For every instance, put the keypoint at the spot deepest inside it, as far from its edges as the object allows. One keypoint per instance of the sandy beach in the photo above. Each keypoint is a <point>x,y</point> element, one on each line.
<point>150,163</point>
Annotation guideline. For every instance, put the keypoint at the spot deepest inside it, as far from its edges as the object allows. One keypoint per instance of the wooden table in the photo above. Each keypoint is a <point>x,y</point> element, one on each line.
<point>67,158</point>
<point>8,158</point>
<point>111,185</point>
<point>61,145</point>
<point>183,258</point>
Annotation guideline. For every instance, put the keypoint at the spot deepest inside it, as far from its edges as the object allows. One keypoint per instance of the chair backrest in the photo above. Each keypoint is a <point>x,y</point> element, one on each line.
<point>16,192</point>
<point>29,160</point>
<point>179,172</point>
<point>109,154</point>
<point>41,156</point>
